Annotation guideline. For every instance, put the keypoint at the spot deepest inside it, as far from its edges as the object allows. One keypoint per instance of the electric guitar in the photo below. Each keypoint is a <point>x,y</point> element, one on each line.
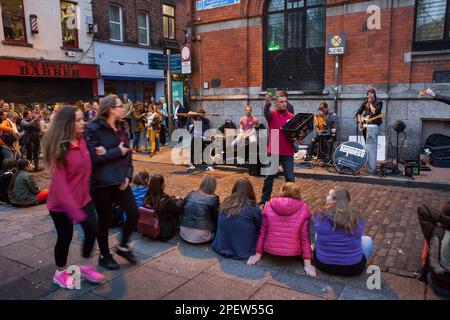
<point>367,119</point>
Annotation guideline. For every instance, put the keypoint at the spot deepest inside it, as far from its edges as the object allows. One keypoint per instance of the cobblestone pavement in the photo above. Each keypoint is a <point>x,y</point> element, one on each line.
<point>175,270</point>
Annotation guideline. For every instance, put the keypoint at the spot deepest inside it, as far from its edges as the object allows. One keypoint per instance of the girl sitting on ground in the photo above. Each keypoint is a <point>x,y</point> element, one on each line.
<point>23,189</point>
<point>239,223</point>
<point>341,248</point>
<point>165,206</point>
<point>285,228</point>
<point>140,187</point>
<point>200,209</point>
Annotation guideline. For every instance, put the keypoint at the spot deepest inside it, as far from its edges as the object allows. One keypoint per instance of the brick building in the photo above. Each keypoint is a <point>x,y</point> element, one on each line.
<point>241,48</point>
<point>127,31</point>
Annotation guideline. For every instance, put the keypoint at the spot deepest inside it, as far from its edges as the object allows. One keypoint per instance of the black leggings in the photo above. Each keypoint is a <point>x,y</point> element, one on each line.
<point>103,199</point>
<point>64,229</point>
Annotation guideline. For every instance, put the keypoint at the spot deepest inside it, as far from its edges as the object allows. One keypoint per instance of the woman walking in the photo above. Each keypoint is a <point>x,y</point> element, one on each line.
<point>67,157</point>
<point>108,145</point>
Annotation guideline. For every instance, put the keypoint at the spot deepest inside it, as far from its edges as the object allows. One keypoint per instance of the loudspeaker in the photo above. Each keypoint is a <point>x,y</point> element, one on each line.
<point>399,126</point>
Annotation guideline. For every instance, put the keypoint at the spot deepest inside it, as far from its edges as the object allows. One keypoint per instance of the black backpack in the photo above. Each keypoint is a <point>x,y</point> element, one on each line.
<point>5,180</point>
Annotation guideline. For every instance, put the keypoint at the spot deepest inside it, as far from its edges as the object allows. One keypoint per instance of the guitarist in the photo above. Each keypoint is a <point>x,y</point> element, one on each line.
<point>370,107</point>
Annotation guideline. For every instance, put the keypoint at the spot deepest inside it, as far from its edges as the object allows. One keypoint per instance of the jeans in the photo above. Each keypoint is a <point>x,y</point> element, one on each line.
<point>137,137</point>
<point>366,246</point>
<point>287,162</point>
<point>372,146</point>
<point>33,147</point>
<point>103,199</point>
<point>64,230</point>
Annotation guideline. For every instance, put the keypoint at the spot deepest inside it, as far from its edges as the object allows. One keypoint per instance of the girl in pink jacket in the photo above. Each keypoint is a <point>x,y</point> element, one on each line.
<point>69,201</point>
<point>285,228</point>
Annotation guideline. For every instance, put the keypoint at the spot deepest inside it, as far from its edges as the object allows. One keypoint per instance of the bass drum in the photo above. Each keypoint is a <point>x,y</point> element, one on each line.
<point>350,156</point>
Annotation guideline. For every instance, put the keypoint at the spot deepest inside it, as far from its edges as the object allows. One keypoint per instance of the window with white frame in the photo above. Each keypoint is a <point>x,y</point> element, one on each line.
<point>115,23</point>
<point>143,28</point>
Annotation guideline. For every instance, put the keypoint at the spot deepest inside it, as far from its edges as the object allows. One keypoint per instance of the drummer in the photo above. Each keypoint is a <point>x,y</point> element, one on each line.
<point>326,122</point>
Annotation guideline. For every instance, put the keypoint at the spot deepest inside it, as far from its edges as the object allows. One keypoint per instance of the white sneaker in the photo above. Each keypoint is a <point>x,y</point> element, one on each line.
<point>191,167</point>
<point>209,168</point>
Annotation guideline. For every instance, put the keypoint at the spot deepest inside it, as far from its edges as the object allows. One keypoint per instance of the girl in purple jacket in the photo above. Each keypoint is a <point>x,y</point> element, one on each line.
<point>67,157</point>
<point>341,248</point>
<point>285,228</point>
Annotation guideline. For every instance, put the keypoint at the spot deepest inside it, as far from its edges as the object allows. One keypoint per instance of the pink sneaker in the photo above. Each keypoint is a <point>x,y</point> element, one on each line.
<point>64,280</point>
<point>91,274</point>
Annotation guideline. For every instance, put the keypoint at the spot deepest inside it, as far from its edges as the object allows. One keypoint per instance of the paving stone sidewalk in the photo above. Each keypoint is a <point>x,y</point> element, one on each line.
<point>176,270</point>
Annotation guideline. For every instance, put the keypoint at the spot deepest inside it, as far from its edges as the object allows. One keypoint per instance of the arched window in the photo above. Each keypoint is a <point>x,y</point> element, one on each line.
<point>294,44</point>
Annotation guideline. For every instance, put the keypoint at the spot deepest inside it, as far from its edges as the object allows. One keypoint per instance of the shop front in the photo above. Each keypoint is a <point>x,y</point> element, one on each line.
<point>125,69</point>
<point>42,81</point>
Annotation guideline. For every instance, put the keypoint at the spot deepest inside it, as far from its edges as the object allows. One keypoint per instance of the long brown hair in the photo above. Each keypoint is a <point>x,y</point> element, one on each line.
<point>155,192</point>
<point>241,195</point>
<point>342,213</point>
<point>56,141</point>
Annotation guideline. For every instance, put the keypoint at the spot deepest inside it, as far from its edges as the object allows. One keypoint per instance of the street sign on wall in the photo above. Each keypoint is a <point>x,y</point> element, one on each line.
<point>212,4</point>
<point>336,44</point>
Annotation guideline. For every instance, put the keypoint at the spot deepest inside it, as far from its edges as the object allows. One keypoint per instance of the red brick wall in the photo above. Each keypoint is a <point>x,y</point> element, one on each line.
<point>372,56</point>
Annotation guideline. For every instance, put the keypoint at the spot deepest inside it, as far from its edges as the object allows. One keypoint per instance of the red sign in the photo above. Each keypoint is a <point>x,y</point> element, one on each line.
<point>47,69</point>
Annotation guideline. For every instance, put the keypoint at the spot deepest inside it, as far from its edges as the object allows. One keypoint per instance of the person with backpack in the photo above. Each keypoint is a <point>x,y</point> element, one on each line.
<point>69,201</point>
<point>23,189</point>
<point>239,223</point>
<point>435,226</point>
<point>341,247</point>
<point>112,171</point>
<point>167,208</point>
<point>285,228</point>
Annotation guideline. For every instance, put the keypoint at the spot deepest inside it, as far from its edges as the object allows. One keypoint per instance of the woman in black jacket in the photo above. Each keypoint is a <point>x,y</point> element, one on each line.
<point>112,170</point>
<point>165,206</point>
<point>200,213</point>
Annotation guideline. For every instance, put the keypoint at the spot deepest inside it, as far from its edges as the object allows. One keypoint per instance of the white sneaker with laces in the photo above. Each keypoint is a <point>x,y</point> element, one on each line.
<point>209,168</point>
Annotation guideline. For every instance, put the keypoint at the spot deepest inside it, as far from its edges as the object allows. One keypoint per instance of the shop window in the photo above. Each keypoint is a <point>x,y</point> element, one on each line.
<point>13,20</point>
<point>168,21</point>
<point>294,44</point>
<point>115,23</point>
<point>143,28</point>
<point>432,29</point>
<point>69,24</point>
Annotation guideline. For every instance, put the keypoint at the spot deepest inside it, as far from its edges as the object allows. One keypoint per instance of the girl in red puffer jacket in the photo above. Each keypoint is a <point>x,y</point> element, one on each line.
<point>285,228</point>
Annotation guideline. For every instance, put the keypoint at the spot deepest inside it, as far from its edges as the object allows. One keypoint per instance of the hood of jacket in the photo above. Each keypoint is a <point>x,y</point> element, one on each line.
<point>285,206</point>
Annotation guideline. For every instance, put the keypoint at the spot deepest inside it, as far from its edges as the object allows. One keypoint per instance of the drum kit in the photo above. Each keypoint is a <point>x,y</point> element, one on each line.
<point>349,157</point>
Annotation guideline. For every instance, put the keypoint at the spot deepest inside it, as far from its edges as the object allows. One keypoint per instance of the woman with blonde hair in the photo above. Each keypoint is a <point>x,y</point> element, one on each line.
<point>285,228</point>
<point>341,248</point>
<point>200,208</point>
<point>239,222</point>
